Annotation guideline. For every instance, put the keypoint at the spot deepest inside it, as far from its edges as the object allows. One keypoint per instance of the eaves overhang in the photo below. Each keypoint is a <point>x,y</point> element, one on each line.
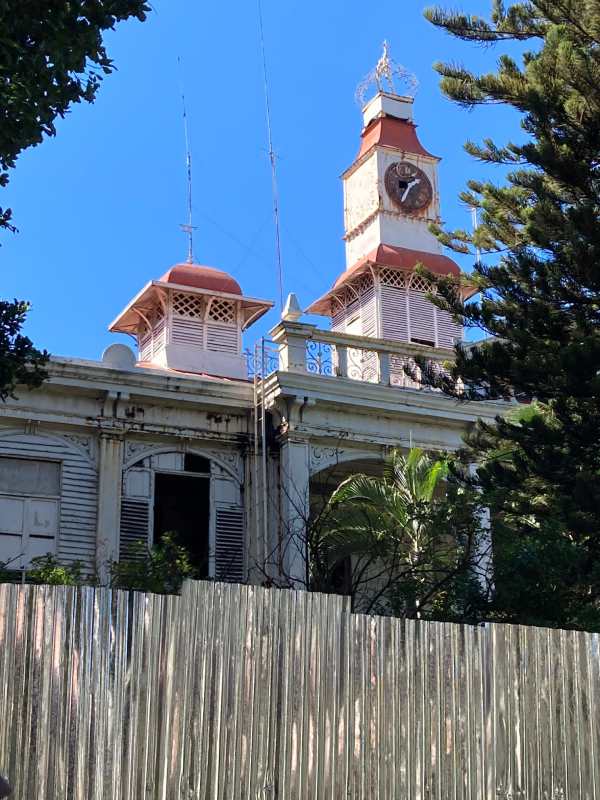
<point>154,293</point>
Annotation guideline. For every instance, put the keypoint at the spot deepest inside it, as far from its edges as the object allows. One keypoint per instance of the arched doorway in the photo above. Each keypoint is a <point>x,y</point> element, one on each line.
<point>194,497</point>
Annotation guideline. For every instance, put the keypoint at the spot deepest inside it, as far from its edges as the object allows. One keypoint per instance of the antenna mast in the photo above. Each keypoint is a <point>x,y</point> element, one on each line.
<point>272,159</point>
<point>189,226</point>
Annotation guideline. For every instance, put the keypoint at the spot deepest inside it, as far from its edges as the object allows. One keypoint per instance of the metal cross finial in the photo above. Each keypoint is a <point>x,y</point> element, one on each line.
<point>383,70</point>
<point>388,76</point>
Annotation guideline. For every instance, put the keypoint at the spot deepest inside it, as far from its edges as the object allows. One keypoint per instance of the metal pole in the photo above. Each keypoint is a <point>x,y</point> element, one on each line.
<point>263,434</point>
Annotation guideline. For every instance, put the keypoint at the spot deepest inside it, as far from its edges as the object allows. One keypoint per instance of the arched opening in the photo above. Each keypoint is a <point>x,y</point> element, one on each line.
<point>195,500</point>
<point>338,576</point>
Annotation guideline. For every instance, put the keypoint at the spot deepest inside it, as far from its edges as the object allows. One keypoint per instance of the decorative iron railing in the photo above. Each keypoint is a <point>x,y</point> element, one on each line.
<point>320,358</point>
<point>262,360</point>
<point>301,348</point>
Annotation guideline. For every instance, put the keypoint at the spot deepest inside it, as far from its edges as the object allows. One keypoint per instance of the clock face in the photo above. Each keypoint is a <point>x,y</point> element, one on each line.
<point>408,186</point>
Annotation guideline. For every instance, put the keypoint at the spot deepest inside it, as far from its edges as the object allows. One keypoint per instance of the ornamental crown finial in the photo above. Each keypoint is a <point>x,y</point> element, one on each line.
<point>388,76</point>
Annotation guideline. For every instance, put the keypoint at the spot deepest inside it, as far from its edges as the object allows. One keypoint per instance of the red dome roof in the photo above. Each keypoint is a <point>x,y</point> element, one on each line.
<point>199,277</point>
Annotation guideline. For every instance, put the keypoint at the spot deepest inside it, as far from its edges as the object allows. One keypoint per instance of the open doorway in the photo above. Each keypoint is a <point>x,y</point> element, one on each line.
<point>181,507</point>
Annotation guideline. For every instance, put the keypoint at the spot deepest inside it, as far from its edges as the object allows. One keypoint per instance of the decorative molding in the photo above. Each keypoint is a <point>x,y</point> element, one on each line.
<point>232,459</point>
<point>83,442</point>
<point>133,449</point>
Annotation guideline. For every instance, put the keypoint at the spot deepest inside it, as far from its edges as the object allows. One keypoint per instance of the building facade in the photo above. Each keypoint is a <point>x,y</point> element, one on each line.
<point>190,435</point>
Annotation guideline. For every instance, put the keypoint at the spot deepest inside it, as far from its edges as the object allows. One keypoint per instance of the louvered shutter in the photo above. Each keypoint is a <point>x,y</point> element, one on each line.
<point>230,541</point>
<point>230,531</point>
<point>187,332</point>
<point>448,331</point>
<point>135,511</point>
<point>394,313</point>
<point>422,323</point>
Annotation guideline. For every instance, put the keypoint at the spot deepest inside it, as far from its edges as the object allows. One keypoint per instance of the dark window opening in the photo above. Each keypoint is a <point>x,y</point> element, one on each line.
<point>341,576</point>
<point>181,507</point>
<point>194,463</point>
<point>422,341</point>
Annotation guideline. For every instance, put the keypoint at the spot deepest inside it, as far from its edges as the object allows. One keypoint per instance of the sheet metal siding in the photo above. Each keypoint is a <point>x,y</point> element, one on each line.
<point>79,480</point>
<point>241,692</point>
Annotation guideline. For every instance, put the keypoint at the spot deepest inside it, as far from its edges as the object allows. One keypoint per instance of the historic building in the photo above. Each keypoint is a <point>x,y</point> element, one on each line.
<point>192,435</point>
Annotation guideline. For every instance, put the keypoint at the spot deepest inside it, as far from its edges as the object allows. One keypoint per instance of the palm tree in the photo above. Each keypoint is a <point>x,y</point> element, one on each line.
<point>409,542</point>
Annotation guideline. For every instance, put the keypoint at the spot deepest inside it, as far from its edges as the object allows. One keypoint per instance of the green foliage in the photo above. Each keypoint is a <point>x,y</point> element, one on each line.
<point>162,569</point>
<point>20,362</point>
<point>540,304</point>
<point>51,56</point>
<point>48,570</point>
<point>413,537</point>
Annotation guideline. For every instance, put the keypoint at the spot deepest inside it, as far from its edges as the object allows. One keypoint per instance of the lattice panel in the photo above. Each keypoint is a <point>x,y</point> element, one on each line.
<point>365,284</point>
<point>337,306</point>
<point>188,305</point>
<point>392,277</point>
<point>222,311</point>
<point>420,284</point>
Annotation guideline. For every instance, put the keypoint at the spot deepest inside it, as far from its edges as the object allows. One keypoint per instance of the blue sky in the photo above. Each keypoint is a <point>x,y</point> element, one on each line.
<point>98,207</point>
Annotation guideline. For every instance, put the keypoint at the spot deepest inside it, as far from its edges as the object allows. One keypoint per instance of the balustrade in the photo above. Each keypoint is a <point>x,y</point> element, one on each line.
<point>300,348</point>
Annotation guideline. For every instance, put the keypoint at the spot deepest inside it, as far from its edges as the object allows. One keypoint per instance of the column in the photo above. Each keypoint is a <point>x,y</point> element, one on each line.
<point>484,548</point>
<point>294,510</point>
<point>110,470</point>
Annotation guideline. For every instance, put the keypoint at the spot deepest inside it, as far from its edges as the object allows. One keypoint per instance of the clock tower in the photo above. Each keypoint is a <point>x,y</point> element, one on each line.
<point>391,190</point>
<point>391,197</point>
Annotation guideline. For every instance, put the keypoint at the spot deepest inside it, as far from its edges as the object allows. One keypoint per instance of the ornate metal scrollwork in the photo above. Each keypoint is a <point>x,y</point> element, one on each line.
<point>362,365</point>
<point>319,358</point>
<point>261,361</point>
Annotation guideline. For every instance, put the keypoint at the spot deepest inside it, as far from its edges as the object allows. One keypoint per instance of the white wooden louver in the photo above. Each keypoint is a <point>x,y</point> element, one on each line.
<point>135,511</point>
<point>135,518</point>
<point>422,321</point>
<point>230,544</point>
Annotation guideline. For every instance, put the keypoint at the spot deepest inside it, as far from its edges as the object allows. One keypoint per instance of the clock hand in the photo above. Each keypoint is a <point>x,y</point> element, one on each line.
<point>409,187</point>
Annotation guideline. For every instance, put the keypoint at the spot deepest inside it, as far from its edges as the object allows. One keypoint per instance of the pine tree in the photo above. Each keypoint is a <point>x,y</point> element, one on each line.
<point>539,284</point>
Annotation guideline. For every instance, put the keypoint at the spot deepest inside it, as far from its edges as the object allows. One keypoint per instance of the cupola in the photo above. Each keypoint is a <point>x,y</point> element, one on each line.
<point>191,320</point>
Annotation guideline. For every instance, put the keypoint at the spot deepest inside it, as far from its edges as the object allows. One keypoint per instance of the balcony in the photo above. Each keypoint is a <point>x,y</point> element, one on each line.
<point>305,349</point>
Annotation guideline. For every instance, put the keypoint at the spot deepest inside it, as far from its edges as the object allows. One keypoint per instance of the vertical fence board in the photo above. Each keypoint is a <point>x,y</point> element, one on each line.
<point>255,694</point>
